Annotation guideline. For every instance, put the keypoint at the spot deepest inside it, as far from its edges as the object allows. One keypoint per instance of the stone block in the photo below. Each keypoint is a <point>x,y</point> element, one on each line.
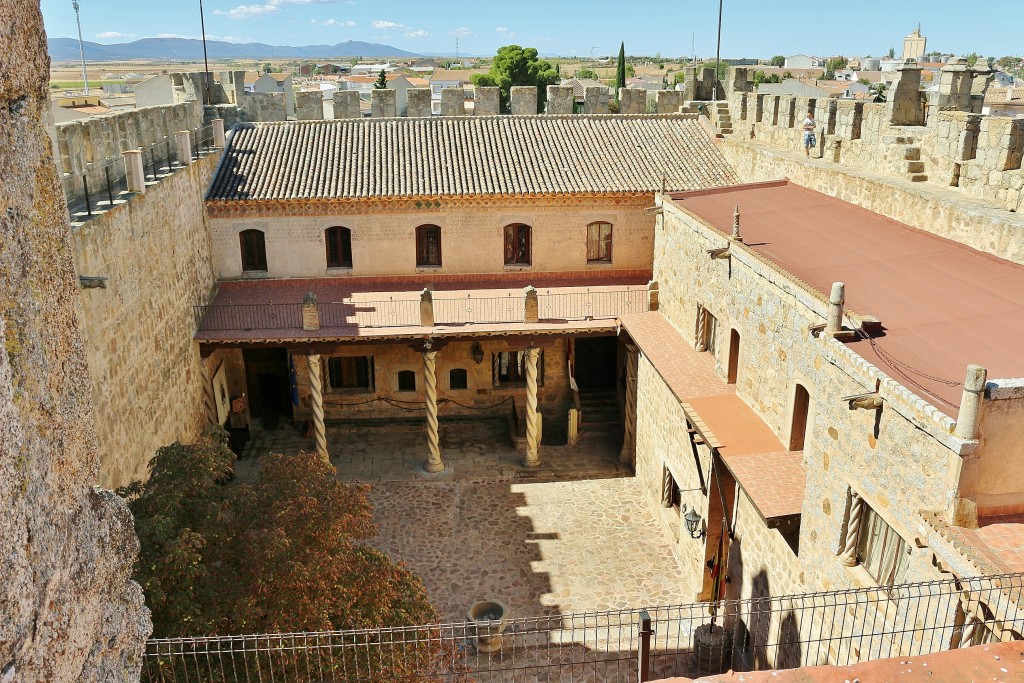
<point>487,101</point>
<point>668,101</point>
<point>560,100</point>
<point>419,102</point>
<point>595,100</point>
<point>265,106</point>
<point>632,101</point>
<point>309,106</point>
<point>524,100</point>
<point>453,102</point>
<point>346,105</point>
<point>383,104</point>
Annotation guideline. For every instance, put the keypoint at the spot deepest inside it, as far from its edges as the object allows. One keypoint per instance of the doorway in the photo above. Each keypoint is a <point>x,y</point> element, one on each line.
<point>595,363</point>
<point>269,384</point>
<point>734,356</point>
<point>798,428</point>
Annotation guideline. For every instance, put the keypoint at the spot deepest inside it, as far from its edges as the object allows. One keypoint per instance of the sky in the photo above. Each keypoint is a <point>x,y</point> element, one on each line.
<point>751,28</point>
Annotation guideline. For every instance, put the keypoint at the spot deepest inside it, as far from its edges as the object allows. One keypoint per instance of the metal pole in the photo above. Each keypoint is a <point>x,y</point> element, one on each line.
<point>85,186</point>
<point>110,193</point>
<point>718,49</point>
<point>81,46</point>
<point>206,61</point>
<point>643,672</point>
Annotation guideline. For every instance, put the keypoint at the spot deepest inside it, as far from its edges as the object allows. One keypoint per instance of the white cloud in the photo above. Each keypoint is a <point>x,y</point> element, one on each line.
<point>272,7</point>
<point>388,25</point>
<point>462,32</point>
<point>333,22</point>
<point>419,33</point>
<point>505,32</point>
<point>110,35</point>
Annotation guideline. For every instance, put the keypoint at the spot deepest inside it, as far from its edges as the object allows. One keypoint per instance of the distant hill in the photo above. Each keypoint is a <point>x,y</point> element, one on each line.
<point>63,49</point>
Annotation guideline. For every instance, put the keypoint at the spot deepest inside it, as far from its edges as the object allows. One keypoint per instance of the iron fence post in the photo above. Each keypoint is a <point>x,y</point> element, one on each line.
<point>643,669</point>
<point>110,193</point>
<point>85,186</point>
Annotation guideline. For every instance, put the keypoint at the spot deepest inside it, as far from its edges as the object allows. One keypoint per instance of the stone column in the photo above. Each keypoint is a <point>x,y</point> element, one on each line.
<point>595,100</point>
<point>560,100</point>
<point>453,102</point>
<point>849,554</point>
<point>434,462</point>
<point>531,305</point>
<point>310,312</point>
<point>532,445</point>
<point>627,456</point>
<point>346,105</point>
<point>652,295</point>
<point>383,104</point>
<point>183,147</point>
<point>970,403</point>
<point>219,140</point>
<point>524,100</point>
<point>487,101</point>
<point>702,330</point>
<point>316,392</point>
<point>836,300</point>
<point>134,173</point>
<point>426,308</point>
<point>419,103</point>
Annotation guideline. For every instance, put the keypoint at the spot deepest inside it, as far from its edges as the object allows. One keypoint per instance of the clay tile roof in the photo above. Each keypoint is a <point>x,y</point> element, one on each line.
<point>468,156</point>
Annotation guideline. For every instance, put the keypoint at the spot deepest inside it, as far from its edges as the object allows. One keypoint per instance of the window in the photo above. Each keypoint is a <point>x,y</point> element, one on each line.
<point>406,380</point>
<point>670,494</point>
<point>517,244</point>
<point>254,250</point>
<point>707,331</point>
<point>339,247</point>
<point>599,243</point>
<point>734,356</point>
<point>881,551</point>
<point>798,430</point>
<point>510,368</point>
<point>458,379</point>
<point>354,372</point>
<point>428,245</point>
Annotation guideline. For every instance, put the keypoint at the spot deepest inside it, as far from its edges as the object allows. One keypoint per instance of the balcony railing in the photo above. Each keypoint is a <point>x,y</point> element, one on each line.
<point>442,310</point>
<point>246,317</point>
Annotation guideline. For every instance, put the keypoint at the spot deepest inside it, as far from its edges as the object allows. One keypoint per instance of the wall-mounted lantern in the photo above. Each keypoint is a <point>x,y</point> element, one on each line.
<point>692,519</point>
<point>478,353</point>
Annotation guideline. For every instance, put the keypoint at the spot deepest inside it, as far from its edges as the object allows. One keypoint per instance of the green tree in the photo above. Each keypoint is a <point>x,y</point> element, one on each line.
<point>863,81</point>
<point>382,81</point>
<point>759,77</point>
<point>296,536</point>
<point>515,65</point>
<point>972,59</point>
<point>721,68</point>
<point>787,74</point>
<point>892,53</point>
<point>266,68</point>
<point>777,60</point>
<point>587,73</point>
<point>620,70</point>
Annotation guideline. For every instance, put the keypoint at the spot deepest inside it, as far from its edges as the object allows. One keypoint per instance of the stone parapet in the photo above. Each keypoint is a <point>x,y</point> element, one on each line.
<point>383,103</point>
<point>346,105</point>
<point>486,101</point>
<point>595,100</point>
<point>524,100</point>
<point>668,101</point>
<point>309,105</point>
<point>632,101</point>
<point>453,102</point>
<point>560,100</point>
<point>419,103</point>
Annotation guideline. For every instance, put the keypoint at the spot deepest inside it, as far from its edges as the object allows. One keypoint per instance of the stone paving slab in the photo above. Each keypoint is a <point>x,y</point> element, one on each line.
<point>573,535</point>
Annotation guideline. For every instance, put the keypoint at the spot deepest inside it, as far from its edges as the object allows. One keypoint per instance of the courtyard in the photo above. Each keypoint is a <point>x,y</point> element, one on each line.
<point>574,535</point>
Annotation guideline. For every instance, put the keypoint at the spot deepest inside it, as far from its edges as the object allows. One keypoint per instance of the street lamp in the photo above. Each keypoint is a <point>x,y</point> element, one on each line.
<point>692,520</point>
<point>81,45</point>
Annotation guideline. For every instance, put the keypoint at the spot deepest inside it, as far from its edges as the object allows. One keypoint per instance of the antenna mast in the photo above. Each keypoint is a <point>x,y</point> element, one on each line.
<point>81,45</point>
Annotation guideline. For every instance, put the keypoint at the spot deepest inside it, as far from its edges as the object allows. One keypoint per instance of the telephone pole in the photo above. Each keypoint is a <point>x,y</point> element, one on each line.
<point>81,46</point>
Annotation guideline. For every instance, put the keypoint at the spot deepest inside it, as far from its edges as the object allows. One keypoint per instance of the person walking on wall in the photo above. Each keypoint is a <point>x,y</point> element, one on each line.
<point>809,140</point>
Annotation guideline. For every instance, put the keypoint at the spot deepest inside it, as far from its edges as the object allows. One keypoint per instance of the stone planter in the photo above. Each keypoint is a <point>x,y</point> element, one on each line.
<point>711,646</point>
<point>490,617</point>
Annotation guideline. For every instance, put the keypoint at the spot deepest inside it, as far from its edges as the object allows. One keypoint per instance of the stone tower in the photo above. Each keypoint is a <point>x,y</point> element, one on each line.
<point>68,608</point>
<point>915,45</point>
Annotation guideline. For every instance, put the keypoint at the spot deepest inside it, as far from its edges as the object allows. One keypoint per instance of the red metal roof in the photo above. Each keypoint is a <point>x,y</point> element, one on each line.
<point>943,305</point>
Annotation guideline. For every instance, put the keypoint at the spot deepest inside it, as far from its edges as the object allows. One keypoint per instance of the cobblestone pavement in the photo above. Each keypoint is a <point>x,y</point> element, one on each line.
<point>573,535</point>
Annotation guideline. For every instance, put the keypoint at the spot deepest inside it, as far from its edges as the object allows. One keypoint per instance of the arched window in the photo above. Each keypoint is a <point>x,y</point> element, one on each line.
<point>458,379</point>
<point>406,380</point>
<point>339,247</point>
<point>254,250</point>
<point>517,244</point>
<point>599,242</point>
<point>428,245</point>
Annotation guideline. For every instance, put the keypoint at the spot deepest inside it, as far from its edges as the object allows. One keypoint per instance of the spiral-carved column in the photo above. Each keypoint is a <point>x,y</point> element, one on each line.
<point>316,392</point>
<point>627,456</point>
<point>434,462</point>
<point>532,438</point>
<point>849,555</point>
<point>702,329</point>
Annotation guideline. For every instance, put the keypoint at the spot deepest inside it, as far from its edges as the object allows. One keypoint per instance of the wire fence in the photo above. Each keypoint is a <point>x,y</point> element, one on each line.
<point>837,627</point>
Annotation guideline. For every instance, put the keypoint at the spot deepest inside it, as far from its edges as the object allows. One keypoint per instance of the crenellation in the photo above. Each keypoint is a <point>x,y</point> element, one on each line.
<point>524,100</point>
<point>453,102</point>
<point>346,105</point>
<point>309,105</point>
<point>595,100</point>
<point>383,104</point>
<point>632,101</point>
<point>419,103</point>
<point>486,101</point>
<point>560,100</point>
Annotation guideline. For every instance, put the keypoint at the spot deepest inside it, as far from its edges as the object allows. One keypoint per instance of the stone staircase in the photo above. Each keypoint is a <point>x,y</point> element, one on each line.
<point>601,416</point>
<point>720,116</point>
<point>907,152</point>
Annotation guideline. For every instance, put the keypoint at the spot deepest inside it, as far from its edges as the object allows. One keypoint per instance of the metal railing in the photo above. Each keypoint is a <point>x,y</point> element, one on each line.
<point>96,188</point>
<point>591,304</point>
<point>472,309</point>
<point>389,313</point>
<point>243,318</point>
<point>838,627</point>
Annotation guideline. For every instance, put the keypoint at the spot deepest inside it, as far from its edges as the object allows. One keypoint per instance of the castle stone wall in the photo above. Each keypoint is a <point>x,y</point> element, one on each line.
<point>147,385</point>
